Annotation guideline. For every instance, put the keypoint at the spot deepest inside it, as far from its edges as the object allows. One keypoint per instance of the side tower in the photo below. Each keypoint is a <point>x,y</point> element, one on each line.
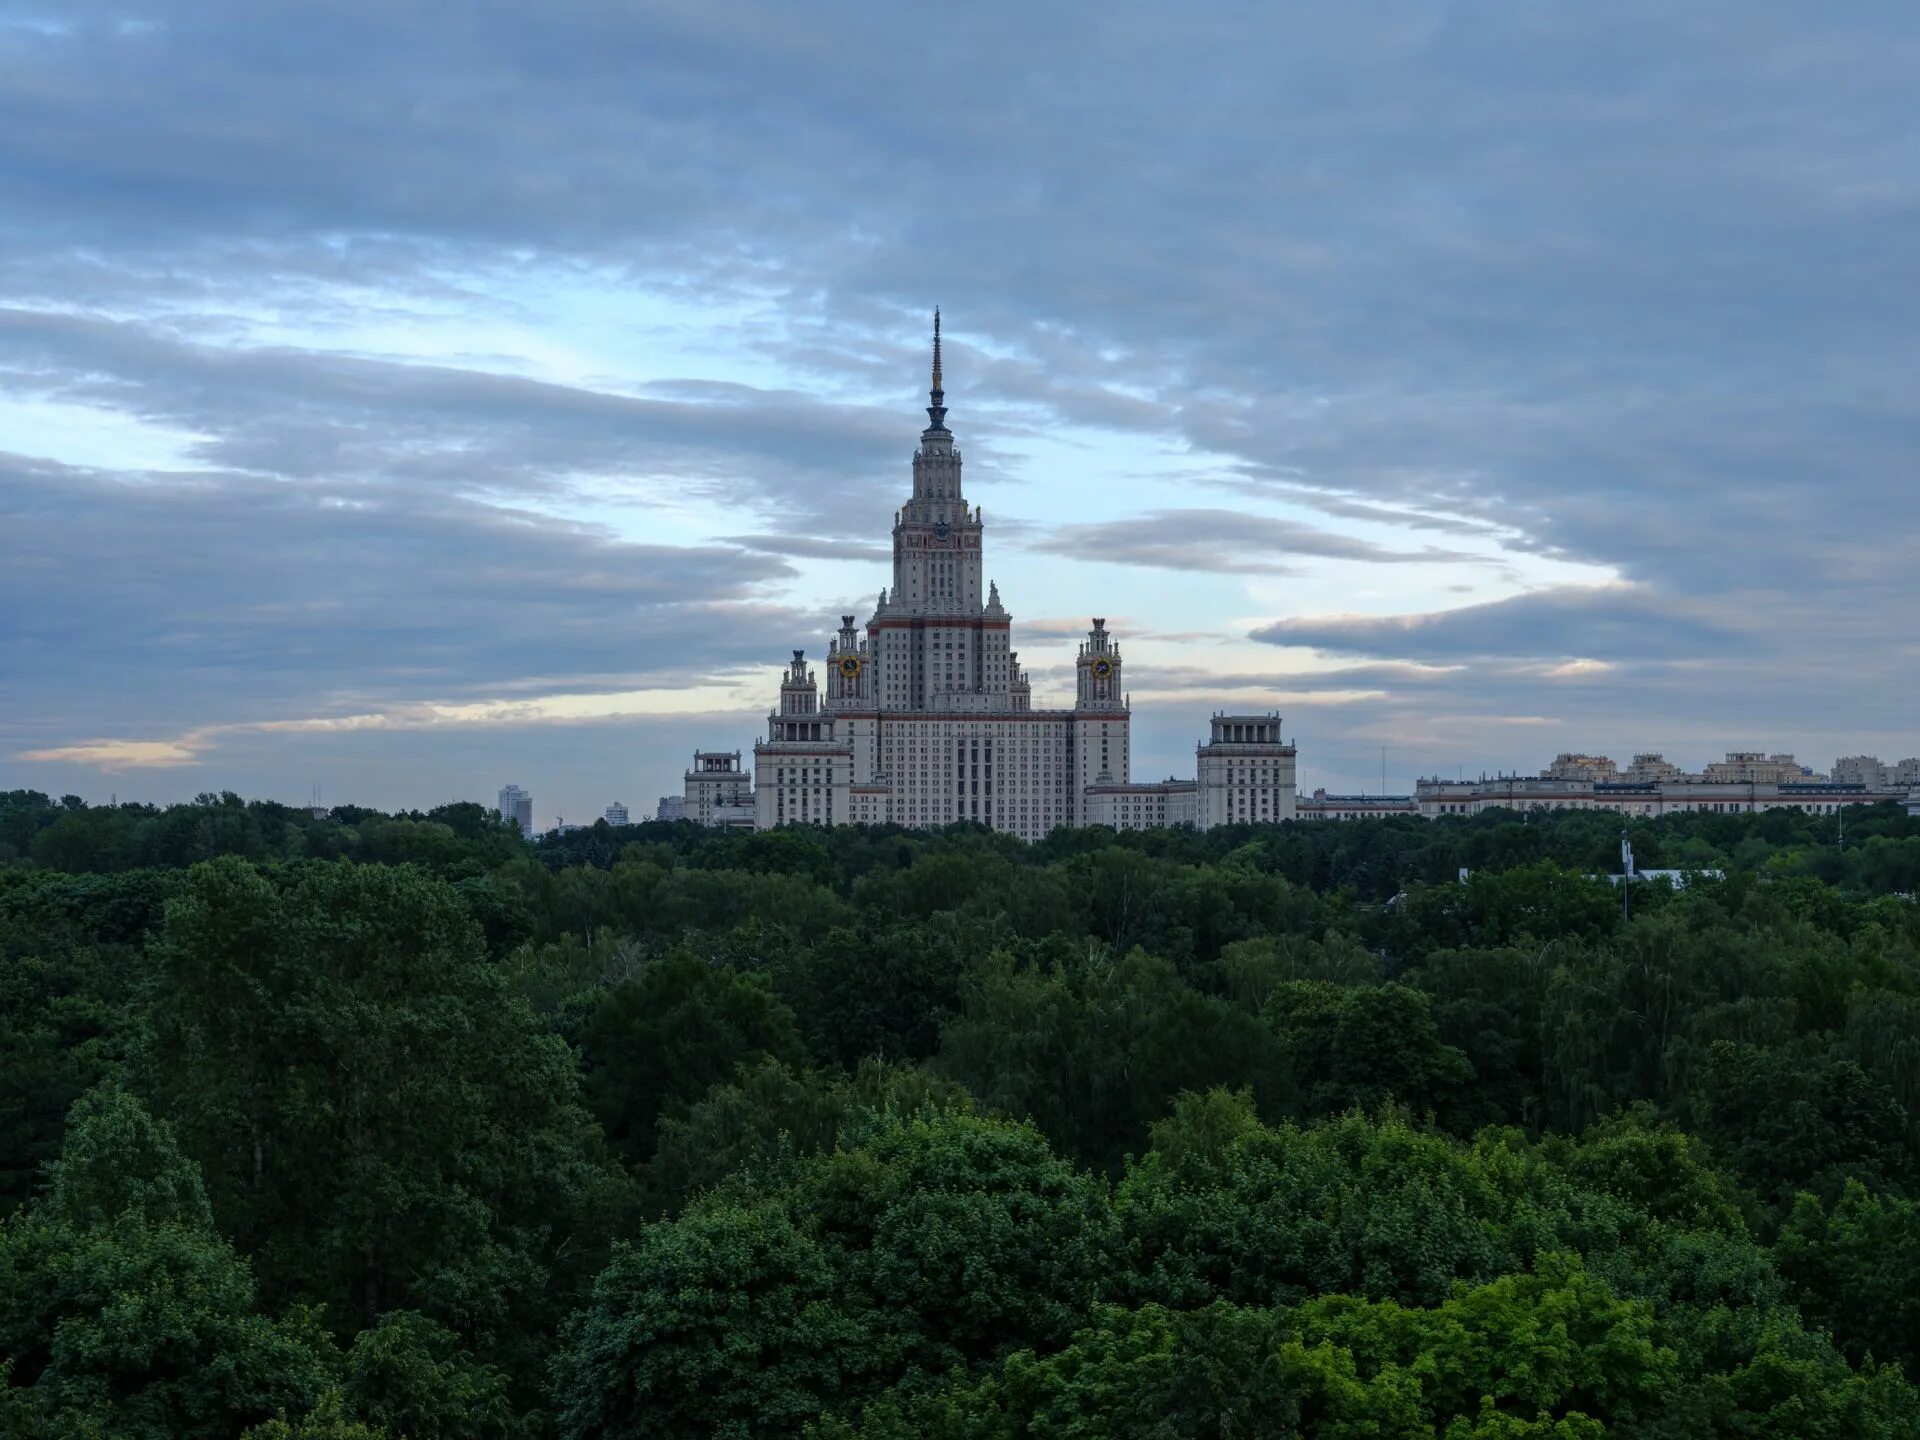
<point>716,791</point>
<point>1245,773</point>
<point>851,688</point>
<point>1101,718</point>
<point>802,769</point>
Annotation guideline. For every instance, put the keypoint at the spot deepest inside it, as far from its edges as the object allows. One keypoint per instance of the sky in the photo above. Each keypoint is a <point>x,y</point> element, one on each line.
<point>402,399</point>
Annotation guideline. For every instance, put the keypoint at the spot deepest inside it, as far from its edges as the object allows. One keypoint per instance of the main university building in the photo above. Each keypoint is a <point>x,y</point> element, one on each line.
<point>927,717</point>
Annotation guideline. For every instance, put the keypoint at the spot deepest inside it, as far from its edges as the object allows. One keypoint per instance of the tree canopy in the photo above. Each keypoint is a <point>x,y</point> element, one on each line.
<point>351,1125</point>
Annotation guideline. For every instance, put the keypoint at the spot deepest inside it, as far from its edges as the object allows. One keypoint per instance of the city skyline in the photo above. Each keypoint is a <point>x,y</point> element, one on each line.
<point>329,455</point>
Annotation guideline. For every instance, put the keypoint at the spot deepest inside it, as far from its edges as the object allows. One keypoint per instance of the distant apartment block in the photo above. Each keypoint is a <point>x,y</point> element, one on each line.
<point>1868,771</point>
<point>616,814</point>
<point>517,805</point>
<point>1746,782</point>
<point>671,807</point>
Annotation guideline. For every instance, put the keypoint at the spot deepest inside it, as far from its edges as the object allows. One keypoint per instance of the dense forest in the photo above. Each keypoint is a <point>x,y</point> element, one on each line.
<point>362,1124</point>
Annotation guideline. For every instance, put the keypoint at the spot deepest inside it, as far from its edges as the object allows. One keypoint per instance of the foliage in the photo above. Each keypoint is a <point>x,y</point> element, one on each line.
<point>343,1021</point>
<point>124,1310</point>
<point>348,1124</point>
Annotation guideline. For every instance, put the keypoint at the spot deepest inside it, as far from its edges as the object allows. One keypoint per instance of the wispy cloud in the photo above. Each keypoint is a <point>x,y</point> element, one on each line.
<point>1224,541</point>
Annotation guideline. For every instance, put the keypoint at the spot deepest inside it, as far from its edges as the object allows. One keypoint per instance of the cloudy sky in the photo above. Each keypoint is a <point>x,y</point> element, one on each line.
<point>407,398</point>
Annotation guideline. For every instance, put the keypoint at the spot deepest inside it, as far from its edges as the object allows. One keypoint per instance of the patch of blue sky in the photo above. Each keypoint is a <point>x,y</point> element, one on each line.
<point>91,437</point>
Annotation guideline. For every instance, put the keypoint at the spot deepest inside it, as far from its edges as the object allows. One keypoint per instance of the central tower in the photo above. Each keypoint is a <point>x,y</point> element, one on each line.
<point>936,535</point>
<point>939,637</point>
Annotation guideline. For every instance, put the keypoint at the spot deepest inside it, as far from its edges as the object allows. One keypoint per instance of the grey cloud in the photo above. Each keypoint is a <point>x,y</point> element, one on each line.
<point>1223,541</point>
<point>1063,627</point>
<point>137,602</point>
<point>1348,508</point>
<point>303,414</point>
<point>1600,623</point>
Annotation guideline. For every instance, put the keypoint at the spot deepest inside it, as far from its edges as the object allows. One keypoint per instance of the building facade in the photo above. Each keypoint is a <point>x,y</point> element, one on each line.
<point>718,791</point>
<point>616,814</point>
<point>923,716</point>
<point>1245,773</point>
<point>926,717</point>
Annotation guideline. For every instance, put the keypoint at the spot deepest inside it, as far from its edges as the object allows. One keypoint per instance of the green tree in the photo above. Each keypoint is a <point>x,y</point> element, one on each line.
<point>64,1027</point>
<point>663,1038</point>
<point>411,1377</point>
<point>1150,1374</point>
<point>1791,1120</point>
<point>1363,1045</point>
<point>124,1310</point>
<point>919,1243</point>
<point>327,1420</point>
<point>383,1124</point>
<point>769,1114</point>
<point>722,1325</point>
<point>1094,1051</point>
<point>1852,1266</point>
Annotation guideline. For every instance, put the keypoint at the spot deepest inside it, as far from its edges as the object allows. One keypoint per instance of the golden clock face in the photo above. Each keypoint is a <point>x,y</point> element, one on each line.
<point>1102,668</point>
<point>849,667</point>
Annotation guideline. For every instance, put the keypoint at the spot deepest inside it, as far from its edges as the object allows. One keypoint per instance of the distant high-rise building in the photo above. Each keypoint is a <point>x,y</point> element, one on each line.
<point>616,814</point>
<point>1860,770</point>
<point>672,807</point>
<point>517,805</point>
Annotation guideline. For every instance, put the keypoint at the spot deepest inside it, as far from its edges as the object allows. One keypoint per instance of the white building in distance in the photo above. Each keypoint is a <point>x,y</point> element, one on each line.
<point>927,717</point>
<point>718,791</point>
<point>517,805</point>
<point>1746,782</point>
<point>1868,771</point>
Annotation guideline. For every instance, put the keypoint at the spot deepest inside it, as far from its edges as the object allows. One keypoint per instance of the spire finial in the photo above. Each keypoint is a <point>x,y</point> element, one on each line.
<point>937,409</point>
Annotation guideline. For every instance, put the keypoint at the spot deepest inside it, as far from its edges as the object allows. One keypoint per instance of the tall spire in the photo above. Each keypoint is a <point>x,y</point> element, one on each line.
<point>937,410</point>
